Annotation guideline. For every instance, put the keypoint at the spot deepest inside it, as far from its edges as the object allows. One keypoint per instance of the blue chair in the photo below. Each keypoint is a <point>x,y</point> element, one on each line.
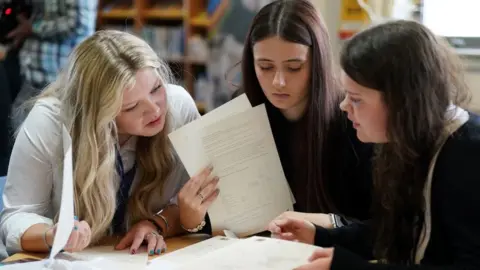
<point>3,179</point>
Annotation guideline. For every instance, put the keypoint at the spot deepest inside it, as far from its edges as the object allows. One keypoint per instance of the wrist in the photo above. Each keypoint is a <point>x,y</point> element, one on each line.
<point>158,228</point>
<point>192,226</point>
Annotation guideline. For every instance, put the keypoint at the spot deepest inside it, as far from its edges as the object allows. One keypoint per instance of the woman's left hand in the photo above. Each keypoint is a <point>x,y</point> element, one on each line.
<point>143,231</point>
<point>321,259</point>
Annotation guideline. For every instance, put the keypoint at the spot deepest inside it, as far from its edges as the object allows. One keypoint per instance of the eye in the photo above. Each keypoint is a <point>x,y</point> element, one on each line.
<point>294,69</point>
<point>156,88</point>
<point>131,108</point>
<point>355,100</point>
<point>265,68</point>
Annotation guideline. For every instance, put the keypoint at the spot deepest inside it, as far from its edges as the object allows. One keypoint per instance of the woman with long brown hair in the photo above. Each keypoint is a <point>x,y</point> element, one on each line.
<point>404,92</point>
<point>287,64</point>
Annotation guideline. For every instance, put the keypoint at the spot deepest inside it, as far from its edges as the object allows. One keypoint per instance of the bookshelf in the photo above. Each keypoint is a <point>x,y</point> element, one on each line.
<point>169,26</point>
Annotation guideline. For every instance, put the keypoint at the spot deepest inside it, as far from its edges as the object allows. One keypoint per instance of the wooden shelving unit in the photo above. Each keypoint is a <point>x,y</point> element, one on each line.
<point>190,14</point>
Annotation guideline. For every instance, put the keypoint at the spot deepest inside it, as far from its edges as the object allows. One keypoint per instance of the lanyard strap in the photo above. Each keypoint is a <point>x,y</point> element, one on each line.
<point>126,180</point>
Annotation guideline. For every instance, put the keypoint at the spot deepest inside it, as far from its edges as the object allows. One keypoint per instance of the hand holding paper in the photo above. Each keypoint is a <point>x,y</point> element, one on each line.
<point>236,139</point>
<point>196,197</point>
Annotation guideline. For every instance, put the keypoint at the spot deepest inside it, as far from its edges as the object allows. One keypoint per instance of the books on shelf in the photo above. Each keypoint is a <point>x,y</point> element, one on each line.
<point>166,41</point>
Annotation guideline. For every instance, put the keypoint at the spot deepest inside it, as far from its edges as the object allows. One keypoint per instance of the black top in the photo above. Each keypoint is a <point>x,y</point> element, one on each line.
<point>349,182</point>
<point>455,203</point>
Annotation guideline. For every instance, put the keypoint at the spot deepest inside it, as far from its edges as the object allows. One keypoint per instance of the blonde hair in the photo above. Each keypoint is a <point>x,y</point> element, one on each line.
<point>90,89</point>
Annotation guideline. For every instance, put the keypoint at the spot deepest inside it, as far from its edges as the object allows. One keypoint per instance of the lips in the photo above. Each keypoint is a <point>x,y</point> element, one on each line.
<point>281,95</point>
<point>154,121</point>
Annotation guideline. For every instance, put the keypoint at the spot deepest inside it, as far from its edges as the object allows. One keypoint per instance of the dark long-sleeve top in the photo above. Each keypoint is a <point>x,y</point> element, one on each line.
<point>349,182</point>
<point>455,217</point>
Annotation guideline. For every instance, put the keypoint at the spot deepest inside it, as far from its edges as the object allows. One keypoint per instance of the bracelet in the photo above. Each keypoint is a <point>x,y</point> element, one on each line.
<point>159,228</point>
<point>164,221</point>
<point>198,228</point>
<point>45,238</point>
<point>333,220</point>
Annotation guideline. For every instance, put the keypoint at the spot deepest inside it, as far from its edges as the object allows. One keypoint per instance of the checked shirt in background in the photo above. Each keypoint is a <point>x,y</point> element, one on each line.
<point>58,26</point>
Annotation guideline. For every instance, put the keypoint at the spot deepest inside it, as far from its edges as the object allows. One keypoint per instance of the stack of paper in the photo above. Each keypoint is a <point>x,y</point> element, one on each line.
<point>237,140</point>
<point>225,254</point>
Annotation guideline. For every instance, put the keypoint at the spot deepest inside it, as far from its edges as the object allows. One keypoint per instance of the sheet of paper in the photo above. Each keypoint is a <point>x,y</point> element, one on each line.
<point>186,141</point>
<point>257,253</point>
<point>66,214</point>
<point>181,256</point>
<point>122,259</point>
<point>37,265</point>
<point>253,187</point>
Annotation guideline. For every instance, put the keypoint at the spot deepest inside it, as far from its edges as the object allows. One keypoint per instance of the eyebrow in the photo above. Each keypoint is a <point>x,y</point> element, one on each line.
<point>352,93</point>
<point>289,60</point>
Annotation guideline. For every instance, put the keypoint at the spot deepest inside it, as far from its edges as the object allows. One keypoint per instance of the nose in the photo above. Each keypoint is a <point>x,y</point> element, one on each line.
<point>152,107</point>
<point>279,80</point>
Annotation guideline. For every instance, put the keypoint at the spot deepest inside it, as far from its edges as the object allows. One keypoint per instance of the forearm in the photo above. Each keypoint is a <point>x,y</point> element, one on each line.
<point>355,237</point>
<point>37,238</point>
<point>346,260</point>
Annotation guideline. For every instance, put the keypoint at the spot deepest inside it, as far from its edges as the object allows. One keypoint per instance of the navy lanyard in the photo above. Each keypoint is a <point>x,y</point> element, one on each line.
<point>126,180</point>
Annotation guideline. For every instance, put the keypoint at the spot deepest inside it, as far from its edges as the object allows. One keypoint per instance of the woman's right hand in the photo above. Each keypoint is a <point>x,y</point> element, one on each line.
<point>196,196</point>
<point>79,237</point>
<point>293,229</point>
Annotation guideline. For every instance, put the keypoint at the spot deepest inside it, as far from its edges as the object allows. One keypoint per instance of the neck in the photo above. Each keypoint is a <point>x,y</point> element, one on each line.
<point>123,138</point>
<point>296,112</point>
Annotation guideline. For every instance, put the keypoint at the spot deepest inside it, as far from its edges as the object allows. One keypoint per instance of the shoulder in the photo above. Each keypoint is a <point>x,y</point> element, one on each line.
<point>41,130</point>
<point>181,104</point>
<point>464,142</point>
<point>456,168</point>
<point>45,114</point>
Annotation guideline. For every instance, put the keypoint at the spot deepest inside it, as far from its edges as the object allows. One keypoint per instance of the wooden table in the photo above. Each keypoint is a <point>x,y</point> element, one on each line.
<point>172,245</point>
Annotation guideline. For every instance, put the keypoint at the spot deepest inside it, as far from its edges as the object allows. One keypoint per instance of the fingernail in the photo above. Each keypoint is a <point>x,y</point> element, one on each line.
<point>217,178</point>
<point>133,251</point>
<point>165,250</point>
<point>159,251</point>
<point>151,252</point>
<point>75,228</point>
<point>210,167</point>
<point>75,217</point>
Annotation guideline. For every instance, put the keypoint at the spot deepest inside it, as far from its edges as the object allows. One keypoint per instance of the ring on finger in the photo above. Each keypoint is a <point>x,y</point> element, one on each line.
<point>155,233</point>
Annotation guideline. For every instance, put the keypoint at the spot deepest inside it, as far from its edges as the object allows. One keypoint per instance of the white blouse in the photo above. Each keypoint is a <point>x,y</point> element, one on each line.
<point>34,182</point>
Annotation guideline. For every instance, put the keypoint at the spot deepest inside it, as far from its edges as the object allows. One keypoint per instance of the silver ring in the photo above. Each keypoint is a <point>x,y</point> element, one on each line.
<point>201,196</point>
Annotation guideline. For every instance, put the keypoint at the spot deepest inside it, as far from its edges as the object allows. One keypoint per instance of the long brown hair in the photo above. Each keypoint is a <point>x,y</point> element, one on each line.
<point>419,79</point>
<point>298,21</point>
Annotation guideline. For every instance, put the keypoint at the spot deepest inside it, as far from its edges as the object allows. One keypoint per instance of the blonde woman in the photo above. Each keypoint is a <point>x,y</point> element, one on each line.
<point>114,99</point>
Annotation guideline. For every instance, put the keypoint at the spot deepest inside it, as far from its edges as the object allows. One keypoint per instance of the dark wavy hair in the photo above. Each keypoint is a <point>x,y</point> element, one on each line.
<point>419,77</point>
<point>298,21</point>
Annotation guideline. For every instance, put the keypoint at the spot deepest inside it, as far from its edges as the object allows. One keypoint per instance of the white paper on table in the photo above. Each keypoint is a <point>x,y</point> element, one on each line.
<point>26,266</point>
<point>66,214</point>
<point>186,140</point>
<point>192,252</point>
<point>120,259</point>
<point>259,253</point>
<point>253,187</point>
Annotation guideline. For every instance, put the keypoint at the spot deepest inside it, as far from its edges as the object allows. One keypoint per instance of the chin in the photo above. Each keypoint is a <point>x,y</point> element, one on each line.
<point>280,105</point>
